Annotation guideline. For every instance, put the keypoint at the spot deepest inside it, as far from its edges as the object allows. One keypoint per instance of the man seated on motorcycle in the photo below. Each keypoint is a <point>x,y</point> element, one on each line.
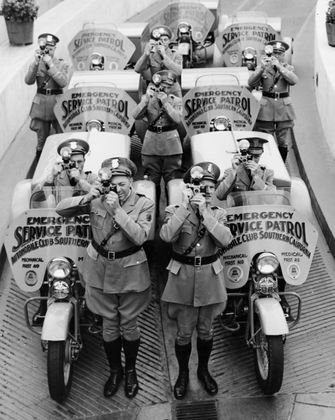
<point>158,55</point>
<point>246,174</point>
<point>195,290</point>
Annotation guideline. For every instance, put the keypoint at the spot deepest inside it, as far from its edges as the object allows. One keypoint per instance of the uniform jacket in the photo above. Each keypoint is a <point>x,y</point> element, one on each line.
<point>272,109</point>
<point>130,226</point>
<point>56,77</point>
<point>167,142</point>
<point>189,285</point>
<point>149,65</point>
<point>239,180</point>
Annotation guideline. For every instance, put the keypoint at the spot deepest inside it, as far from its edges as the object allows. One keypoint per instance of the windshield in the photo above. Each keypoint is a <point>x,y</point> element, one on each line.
<point>250,198</point>
<point>49,197</point>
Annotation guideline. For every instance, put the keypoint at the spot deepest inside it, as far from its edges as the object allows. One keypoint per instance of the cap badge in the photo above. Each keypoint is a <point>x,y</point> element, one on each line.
<point>115,163</point>
<point>73,145</point>
<point>210,168</point>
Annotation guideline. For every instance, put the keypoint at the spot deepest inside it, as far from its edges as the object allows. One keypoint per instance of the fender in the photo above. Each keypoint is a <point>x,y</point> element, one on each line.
<point>56,322</point>
<point>271,316</point>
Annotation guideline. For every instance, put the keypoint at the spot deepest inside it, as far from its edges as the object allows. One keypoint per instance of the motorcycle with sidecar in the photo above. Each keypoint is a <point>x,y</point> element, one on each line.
<point>273,239</point>
<point>45,250</point>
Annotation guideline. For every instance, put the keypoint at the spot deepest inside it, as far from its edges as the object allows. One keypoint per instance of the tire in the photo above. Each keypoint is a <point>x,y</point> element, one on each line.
<point>60,369</point>
<point>135,148</point>
<point>269,361</point>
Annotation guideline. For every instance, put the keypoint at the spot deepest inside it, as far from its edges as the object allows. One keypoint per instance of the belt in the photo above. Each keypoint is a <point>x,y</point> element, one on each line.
<point>276,95</point>
<point>111,255</point>
<point>196,261</point>
<point>160,128</point>
<point>49,91</point>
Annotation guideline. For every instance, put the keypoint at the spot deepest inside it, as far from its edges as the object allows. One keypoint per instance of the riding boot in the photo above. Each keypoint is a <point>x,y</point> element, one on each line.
<point>283,152</point>
<point>183,356</point>
<point>204,351</point>
<point>113,353</point>
<point>130,352</point>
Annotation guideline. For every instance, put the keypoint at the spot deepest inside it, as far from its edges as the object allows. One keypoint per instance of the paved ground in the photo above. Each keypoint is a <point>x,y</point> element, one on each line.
<point>314,160</point>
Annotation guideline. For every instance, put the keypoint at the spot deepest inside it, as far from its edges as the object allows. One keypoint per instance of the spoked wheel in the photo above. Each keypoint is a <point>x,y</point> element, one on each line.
<point>60,369</point>
<point>269,361</point>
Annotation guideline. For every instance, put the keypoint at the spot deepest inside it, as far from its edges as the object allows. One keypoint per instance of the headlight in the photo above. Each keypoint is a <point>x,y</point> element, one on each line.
<point>60,289</point>
<point>183,28</point>
<point>221,124</point>
<point>266,285</point>
<point>59,268</point>
<point>267,263</point>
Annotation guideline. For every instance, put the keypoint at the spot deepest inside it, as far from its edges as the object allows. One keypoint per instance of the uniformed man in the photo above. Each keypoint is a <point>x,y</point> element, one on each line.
<point>248,175</point>
<point>70,171</point>
<point>157,56</point>
<point>116,272</point>
<point>51,76</point>
<point>276,115</point>
<point>195,289</point>
<point>162,149</point>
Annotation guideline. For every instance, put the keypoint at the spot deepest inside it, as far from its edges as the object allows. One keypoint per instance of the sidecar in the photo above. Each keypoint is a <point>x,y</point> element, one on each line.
<point>241,38</point>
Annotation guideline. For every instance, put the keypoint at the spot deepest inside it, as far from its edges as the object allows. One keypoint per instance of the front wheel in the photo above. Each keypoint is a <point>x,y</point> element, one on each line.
<point>60,369</point>
<point>269,361</point>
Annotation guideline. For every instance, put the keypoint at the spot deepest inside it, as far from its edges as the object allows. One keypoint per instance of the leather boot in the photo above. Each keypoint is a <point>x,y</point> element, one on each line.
<point>130,352</point>
<point>183,356</point>
<point>204,351</point>
<point>283,152</point>
<point>113,353</point>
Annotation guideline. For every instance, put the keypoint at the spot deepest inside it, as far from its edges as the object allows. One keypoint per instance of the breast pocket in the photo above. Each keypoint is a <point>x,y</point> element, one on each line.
<point>98,217</point>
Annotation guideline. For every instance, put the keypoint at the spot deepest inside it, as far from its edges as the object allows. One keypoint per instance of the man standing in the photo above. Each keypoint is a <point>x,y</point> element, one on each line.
<point>276,115</point>
<point>248,175</point>
<point>116,272</point>
<point>195,290</point>
<point>162,149</point>
<point>51,76</point>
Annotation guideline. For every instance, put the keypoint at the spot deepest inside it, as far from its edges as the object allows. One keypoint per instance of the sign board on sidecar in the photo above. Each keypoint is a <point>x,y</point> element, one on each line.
<point>265,220</point>
<point>245,33</point>
<point>40,234</point>
<point>99,48</point>
<point>113,107</point>
<point>202,104</point>
<point>234,40</point>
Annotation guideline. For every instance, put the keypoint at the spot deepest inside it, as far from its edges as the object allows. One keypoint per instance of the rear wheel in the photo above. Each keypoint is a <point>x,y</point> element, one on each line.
<point>269,361</point>
<point>60,369</point>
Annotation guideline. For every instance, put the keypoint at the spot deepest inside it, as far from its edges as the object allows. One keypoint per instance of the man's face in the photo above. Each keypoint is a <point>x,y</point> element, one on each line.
<point>165,40</point>
<point>51,49</point>
<point>79,160</point>
<point>255,156</point>
<point>210,189</point>
<point>123,186</point>
<point>279,55</point>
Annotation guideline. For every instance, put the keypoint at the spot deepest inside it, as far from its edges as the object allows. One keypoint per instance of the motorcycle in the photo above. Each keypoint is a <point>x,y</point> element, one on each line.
<point>273,247</point>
